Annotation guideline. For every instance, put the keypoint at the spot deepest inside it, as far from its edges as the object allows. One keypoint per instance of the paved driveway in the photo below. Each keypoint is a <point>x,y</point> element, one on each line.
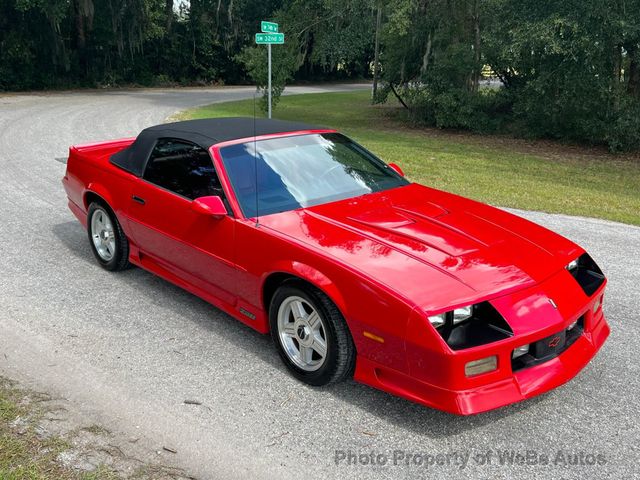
<point>127,349</point>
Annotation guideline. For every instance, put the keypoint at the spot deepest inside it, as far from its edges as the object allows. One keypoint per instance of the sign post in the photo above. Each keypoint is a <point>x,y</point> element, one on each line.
<point>268,37</point>
<point>269,84</point>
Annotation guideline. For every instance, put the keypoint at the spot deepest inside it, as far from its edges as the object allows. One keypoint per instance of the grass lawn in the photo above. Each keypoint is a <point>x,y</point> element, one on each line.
<point>29,450</point>
<point>24,454</point>
<point>507,172</point>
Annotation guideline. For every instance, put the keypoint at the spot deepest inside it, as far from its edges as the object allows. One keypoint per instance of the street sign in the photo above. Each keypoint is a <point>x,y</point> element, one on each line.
<point>269,38</point>
<point>269,27</point>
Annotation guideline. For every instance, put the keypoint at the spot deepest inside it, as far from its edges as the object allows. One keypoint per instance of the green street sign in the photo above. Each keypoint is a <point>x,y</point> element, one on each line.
<point>269,38</point>
<point>269,27</point>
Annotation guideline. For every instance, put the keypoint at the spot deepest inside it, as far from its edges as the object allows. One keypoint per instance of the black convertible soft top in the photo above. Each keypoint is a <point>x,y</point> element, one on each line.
<point>205,132</point>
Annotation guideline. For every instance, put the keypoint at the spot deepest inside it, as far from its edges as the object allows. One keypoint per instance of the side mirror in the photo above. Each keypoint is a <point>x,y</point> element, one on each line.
<point>397,169</point>
<point>211,206</point>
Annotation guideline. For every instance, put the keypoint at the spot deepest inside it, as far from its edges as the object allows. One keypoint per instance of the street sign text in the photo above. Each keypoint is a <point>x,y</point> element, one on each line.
<point>269,38</point>
<point>269,27</point>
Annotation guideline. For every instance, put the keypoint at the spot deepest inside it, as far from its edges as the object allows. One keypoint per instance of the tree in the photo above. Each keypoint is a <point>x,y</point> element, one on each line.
<point>284,64</point>
<point>569,70</point>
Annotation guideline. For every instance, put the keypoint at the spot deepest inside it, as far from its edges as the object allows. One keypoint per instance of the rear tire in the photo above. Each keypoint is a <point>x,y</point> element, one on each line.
<point>108,242</point>
<point>311,335</point>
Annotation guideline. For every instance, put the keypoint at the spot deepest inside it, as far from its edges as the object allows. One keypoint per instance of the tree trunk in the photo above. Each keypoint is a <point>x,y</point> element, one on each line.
<point>81,37</point>
<point>168,11</point>
<point>376,55</point>
<point>84,11</point>
<point>476,48</point>
<point>393,89</point>
<point>633,85</point>
<point>427,55</point>
<point>617,64</point>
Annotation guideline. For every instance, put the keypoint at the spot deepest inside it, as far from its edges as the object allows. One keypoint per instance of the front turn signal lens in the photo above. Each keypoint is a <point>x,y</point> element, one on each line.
<point>483,365</point>
<point>597,304</point>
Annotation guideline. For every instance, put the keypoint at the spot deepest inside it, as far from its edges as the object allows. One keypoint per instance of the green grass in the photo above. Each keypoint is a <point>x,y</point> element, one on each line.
<point>28,453</point>
<point>24,455</point>
<point>498,170</point>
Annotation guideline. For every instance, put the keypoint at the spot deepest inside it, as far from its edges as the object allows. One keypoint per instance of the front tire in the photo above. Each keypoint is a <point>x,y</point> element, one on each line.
<point>311,335</point>
<point>108,242</point>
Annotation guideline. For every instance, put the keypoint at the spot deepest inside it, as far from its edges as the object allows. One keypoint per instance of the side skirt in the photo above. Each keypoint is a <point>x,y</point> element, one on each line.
<point>147,263</point>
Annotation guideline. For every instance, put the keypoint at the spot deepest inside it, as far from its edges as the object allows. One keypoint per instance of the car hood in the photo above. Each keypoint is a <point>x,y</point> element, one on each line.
<point>434,248</point>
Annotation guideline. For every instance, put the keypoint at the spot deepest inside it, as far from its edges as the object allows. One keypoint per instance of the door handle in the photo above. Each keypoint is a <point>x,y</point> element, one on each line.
<point>138,199</point>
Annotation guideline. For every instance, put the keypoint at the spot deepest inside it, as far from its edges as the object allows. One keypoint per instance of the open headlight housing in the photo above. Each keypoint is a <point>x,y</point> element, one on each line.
<point>587,273</point>
<point>470,326</point>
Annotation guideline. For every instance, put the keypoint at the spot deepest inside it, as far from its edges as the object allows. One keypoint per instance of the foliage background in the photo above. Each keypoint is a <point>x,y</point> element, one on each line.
<point>565,69</point>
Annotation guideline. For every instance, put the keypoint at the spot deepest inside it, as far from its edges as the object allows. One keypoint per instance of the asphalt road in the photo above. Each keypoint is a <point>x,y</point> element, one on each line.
<point>127,349</point>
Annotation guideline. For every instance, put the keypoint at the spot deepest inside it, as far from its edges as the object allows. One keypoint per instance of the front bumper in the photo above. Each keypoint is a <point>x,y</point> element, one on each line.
<point>521,385</point>
<point>437,379</point>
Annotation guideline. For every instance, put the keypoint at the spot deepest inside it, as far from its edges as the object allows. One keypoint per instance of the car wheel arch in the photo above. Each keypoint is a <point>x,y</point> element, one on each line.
<point>302,273</point>
<point>102,197</point>
<point>96,193</point>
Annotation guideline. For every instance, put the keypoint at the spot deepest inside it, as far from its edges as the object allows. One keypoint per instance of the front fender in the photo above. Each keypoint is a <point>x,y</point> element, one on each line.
<point>314,277</point>
<point>376,322</point>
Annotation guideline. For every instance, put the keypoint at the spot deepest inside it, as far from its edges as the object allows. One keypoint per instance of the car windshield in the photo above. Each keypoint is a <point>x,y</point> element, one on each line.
<point>302,171</point>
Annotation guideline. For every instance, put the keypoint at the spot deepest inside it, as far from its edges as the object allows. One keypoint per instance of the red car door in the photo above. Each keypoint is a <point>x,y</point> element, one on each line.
<point>192,245</point>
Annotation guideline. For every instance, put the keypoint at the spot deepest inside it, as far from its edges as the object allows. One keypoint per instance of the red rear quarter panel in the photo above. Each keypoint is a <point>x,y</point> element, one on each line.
<point>89,171</point>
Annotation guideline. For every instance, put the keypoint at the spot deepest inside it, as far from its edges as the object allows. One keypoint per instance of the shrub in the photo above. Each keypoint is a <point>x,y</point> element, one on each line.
<point>623,131</point>
<point>485,111</point>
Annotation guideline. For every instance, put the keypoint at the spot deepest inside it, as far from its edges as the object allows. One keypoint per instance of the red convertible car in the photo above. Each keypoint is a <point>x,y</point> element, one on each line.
<point>300,232</point>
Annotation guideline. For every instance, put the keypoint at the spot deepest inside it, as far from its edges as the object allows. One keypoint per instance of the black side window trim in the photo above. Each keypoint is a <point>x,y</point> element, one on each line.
<point>174,139</point>
<point>185,142</point>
